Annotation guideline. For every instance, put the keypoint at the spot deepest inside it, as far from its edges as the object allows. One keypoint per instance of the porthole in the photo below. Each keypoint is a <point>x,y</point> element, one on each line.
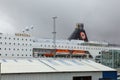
<point>12,54</point>
<point>5,43</point>
<point>5,38</point>
<point>52,45</point>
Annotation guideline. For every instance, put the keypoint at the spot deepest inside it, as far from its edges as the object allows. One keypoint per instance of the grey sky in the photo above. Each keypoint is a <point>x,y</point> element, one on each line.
<point>100,17</point>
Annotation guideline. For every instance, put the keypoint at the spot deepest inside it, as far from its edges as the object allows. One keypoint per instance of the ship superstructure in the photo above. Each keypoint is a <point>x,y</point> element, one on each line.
<point>23,45</point>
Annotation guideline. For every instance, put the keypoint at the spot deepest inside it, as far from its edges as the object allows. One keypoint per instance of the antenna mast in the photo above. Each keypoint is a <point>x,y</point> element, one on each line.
<point>54,33</point>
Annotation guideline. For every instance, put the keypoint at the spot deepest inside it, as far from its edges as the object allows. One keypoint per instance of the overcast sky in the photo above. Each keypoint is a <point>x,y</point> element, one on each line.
<point>101,18</point>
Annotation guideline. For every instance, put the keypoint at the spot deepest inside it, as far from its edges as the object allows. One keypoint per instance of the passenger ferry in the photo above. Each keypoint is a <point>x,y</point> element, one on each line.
<point>77,45</point>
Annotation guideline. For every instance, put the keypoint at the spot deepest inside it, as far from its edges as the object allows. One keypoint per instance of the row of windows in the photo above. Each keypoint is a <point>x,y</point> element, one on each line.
<point>59,46</point>
<point>16,39</point>
<point>16,55</point>
<point>16,44</point>
<point>16,49</point>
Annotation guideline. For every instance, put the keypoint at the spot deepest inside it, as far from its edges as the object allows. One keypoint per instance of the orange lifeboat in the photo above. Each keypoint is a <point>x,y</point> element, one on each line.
<point>59,51</point>
<point>78,52</point>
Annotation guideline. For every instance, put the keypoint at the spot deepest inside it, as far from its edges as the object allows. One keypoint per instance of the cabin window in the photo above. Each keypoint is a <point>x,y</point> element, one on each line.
<point>9,43</point>
<point>18,43</point>
<point>5,54</point>
<point>26,39</point>
<point>14,43</point>
<point>22,39</point>
<point>0,48</point>
<point>74,47</point>
<point>5,48</point>
<point>17,54</point>
<point>14,49</point>
<point>12,54</point>
<point>0,37</point>
<point>9,49</point>
<point>22,49</point>
<point>30,39</point>
<point>17,38</point>
<point>48,45</point>
<point>5,43</point>
<point>9,38</point>
<point>30,44</point>
<point>22,43</point>
<point>0,42</point>
<point>41,45</point>
<point>45,45</point>
<point>5,38</point>
<point>14,38</point>
<point>0,54</point>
